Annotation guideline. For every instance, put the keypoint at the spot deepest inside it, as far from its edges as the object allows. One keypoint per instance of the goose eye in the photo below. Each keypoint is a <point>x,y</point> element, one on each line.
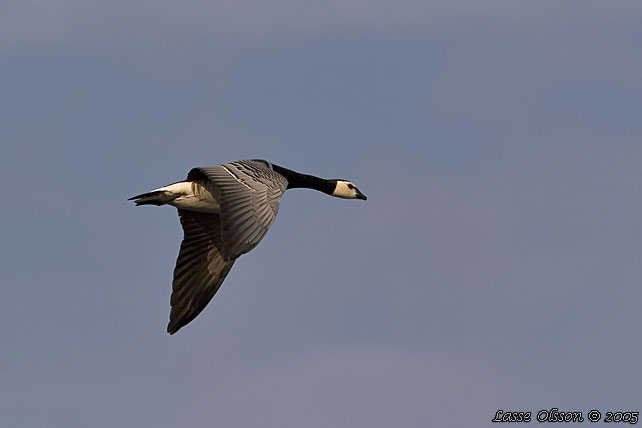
<point>350,186</point>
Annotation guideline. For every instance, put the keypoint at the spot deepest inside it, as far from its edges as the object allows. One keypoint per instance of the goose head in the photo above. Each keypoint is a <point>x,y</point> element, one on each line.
<point>347,190</point>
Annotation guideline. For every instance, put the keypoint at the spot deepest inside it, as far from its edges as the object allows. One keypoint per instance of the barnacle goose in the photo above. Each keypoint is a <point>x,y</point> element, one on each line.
<point>225,211</point>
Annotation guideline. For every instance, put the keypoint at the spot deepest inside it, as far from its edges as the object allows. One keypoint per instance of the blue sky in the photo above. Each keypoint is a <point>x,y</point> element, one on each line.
<point>495,265</point>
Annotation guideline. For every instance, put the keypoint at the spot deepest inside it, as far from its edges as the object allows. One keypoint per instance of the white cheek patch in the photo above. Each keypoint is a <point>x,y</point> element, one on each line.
<point>343,191</point>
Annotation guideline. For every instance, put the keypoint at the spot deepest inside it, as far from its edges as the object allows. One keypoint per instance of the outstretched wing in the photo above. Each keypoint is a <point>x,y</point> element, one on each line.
<point>200,267</point>
<point>249,192</point>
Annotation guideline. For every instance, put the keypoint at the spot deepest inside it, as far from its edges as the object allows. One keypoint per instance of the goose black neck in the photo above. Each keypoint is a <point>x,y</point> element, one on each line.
<point>297,180</point>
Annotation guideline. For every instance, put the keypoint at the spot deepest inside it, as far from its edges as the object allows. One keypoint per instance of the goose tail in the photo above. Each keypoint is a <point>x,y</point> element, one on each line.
<point>155,197</point>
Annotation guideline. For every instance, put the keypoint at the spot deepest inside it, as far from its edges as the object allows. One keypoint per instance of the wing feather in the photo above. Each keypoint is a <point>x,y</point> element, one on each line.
<point>200,267</point>
<point>249,193</point>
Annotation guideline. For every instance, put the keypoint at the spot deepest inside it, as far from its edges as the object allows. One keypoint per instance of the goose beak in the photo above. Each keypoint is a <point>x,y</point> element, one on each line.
<point>361,196</point>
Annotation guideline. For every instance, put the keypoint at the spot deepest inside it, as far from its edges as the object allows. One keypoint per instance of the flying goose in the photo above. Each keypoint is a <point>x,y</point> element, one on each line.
<point>225,211</point>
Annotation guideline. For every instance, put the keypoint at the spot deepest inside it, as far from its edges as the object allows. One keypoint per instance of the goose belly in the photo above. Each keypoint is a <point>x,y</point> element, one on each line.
<point>193,196</point>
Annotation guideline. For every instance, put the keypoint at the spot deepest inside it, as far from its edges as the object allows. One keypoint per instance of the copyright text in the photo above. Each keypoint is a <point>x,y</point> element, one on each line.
<point>557,415</point>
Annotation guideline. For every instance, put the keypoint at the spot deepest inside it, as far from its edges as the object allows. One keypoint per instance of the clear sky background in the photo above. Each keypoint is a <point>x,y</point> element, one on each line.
<point>497,263</point>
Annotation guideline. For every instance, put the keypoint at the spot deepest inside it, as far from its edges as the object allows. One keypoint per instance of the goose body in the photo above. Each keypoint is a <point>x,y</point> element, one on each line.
<point>225,211</point>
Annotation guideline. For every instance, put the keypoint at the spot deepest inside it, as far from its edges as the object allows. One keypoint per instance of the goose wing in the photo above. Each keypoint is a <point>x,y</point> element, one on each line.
<point>200,267</point>
<point>249,192</point>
